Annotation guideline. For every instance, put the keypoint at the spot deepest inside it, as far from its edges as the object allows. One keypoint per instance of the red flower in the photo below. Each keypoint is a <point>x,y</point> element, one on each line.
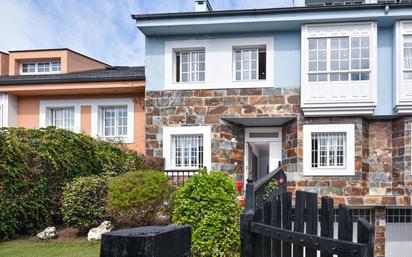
<point>239,186</point>
<point>281,181</point>
<point>242,202</point>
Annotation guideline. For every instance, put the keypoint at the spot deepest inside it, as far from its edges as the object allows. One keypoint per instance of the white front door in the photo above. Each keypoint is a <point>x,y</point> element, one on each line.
<point>263,151</point>
<point>275,154</point>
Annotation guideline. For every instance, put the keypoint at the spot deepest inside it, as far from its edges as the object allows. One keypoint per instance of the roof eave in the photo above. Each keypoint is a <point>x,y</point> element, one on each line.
<point>70,80</point>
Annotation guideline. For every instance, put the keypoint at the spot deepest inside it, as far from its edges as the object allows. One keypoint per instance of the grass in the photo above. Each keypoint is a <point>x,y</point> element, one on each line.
<point>69,248</point>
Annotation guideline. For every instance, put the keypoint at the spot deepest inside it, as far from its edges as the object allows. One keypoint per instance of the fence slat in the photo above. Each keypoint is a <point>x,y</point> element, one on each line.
<point>286,221</point>
<point>366,235</point>
<point>247,238</point>
<point>266,241</point>
<point>345,227</point>
<point>299,220</point>
<point>259,238</point>
<point>276,222</point>
<point>312,219</point>
<point>326,220</point>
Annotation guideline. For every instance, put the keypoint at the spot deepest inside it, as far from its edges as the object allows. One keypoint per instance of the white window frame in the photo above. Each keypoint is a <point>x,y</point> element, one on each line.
<point>219,68</point>
<point>96,104</point>
<point>335,30</point>
<point>101,123</point>
<point>403,94</point>
<point>49,115</point>
<point>36,67</point>
<point>190,52</point>
<point>242,49</point>
<point>348,169</point>
<point>168,132</point>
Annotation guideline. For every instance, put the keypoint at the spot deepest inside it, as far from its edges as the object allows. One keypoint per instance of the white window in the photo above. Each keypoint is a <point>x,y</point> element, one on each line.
<point>187,151</point>
<point>187,148</point>
<point>48,67</point>
<point>339,58</point>
<point>1,116</point>
<point>250,64</point>
<point>62,117</point>
<point>329,150</point>
<point>190,66</point>
<point>114,121</point>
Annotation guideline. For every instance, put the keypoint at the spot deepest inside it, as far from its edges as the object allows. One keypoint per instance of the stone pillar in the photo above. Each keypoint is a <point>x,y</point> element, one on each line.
<point>380,223</point>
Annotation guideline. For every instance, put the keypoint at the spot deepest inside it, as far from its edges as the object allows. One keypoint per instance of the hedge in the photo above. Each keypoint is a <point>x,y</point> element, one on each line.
<point>34,166</point>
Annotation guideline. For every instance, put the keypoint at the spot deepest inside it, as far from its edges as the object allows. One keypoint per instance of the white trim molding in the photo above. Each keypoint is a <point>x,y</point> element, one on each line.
<point>168,132</point>
<point>349,153</point>
<point>219,71</point>
<point>403,87</point>
<point>348,97</point>
<point>8,109</point>
<point>96,104</point>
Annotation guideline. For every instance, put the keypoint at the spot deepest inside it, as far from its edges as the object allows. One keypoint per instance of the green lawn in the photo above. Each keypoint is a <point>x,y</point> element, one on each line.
<point>73,248</point>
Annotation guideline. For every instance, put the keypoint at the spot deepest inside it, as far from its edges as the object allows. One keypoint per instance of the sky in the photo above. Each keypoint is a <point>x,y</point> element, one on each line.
<point>102,29</point>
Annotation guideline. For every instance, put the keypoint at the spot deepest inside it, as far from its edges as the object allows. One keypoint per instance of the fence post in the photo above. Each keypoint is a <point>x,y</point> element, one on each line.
<point>247,238</point>
<point>366,235</point>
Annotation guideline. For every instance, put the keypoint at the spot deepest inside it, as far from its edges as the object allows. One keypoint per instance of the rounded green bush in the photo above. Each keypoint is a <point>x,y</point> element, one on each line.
<point>139,198</point>
<point>84,202</point>
<point>207,202</point>
<point>34,166</point>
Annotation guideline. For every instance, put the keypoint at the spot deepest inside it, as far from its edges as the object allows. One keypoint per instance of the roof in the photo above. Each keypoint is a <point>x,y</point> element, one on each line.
<point>116,73</point>
<point>57,49</point>
<point>141,17</point>
<point>267,20</point>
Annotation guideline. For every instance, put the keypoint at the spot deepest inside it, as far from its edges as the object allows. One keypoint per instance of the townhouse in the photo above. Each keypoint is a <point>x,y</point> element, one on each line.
<point>324,87</point>
<point>66,89</point>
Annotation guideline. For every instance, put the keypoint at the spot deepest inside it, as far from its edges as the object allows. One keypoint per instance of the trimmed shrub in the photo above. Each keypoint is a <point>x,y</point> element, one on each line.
<point>139,198</point>
<point>84,202</point>
<point>36,163</point>
<point>207,202</point>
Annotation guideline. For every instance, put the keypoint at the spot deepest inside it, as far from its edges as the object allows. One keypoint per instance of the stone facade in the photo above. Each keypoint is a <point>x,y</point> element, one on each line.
<point>382,147</point>
<point>210,107</point>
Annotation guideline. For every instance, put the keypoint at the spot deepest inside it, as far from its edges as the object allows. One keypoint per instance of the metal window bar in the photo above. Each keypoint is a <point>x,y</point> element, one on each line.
<point>399,215</point>
<point>328,149</point>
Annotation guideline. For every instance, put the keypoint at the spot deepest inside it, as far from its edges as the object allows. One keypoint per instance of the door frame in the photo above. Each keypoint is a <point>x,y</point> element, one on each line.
<point>249,139</point>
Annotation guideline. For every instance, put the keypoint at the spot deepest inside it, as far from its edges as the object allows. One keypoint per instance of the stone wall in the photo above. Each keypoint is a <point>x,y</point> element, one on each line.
<point>210,107</point>
<point>382,147</point>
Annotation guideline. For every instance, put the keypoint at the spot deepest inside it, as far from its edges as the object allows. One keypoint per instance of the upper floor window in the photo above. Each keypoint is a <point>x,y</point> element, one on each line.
<point>190,66</point>
<point>61,117</point>
<point>250,64</point>
<point>40,67</point>
<point>339,58</point>
<point>407,57</point>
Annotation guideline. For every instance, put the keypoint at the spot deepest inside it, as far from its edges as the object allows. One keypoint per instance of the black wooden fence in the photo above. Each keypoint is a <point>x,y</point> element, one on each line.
<point>275,229</point>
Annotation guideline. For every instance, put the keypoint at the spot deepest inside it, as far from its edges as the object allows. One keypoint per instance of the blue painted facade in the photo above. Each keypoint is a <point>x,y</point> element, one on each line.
<point>285,29</point>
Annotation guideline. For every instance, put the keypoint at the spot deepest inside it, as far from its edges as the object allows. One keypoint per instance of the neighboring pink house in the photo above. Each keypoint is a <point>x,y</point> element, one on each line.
<point>63,88</point>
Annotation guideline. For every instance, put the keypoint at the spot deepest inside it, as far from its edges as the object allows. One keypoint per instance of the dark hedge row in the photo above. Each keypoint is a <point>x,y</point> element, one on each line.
<point>34,166</point>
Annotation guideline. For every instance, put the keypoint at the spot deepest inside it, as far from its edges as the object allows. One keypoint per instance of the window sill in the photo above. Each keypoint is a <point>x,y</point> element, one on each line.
<point>328,173</point>
<point>117,140</point>
<point>234,84</point>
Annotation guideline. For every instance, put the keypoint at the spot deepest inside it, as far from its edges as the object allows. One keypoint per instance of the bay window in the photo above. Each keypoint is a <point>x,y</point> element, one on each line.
<point>339,59</point>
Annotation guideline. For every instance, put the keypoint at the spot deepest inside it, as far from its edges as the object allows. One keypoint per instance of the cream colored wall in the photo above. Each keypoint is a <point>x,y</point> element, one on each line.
<point>77,62</point>
<point>70,61</point>
<point>28,113</point>
<point>4,64</point>
<point>15,58</point>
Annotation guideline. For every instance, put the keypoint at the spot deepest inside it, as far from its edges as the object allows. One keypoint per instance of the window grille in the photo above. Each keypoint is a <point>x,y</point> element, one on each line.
<point>187,151</point>
<point>399,215</point>
<point>328,149</point>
